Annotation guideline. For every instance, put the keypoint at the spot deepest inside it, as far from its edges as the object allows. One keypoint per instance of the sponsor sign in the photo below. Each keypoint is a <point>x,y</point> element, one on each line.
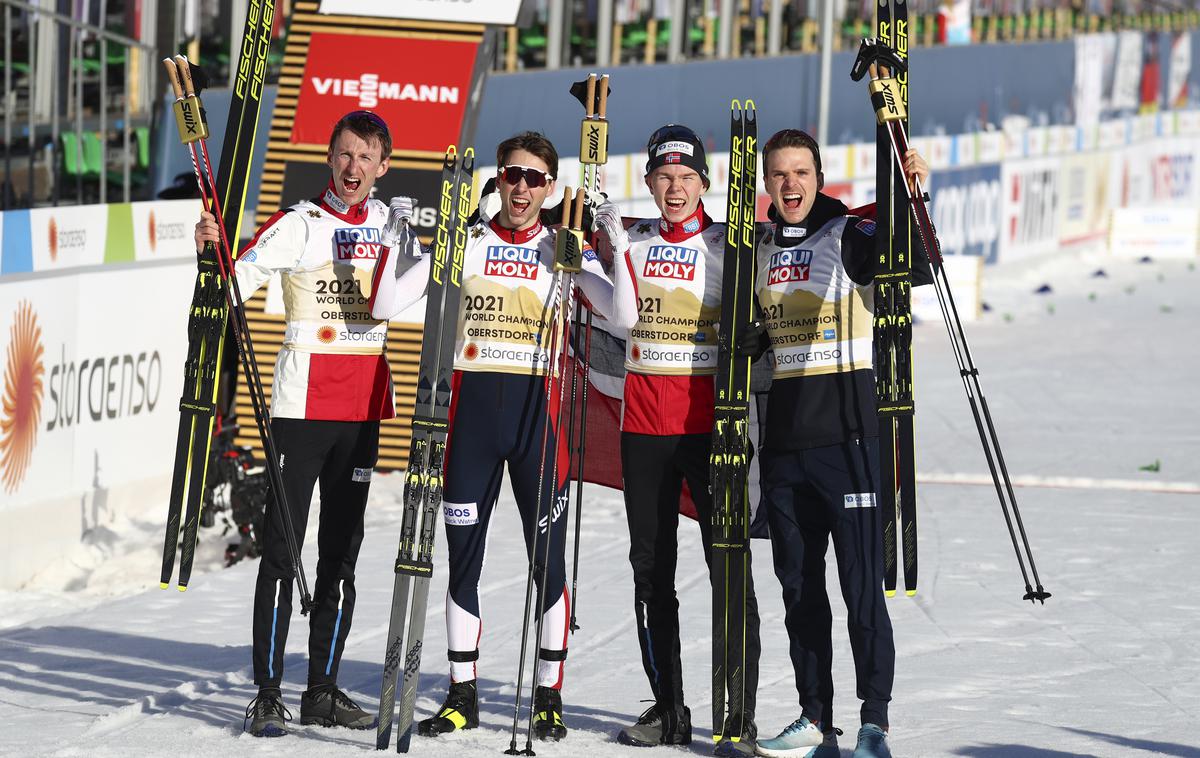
<point>164,229</point>
<point>499,12</point>
<point>671,262</point>
<point>1031,210</point>
<point>1156,232</point>
<point>357,243</point>
<point>966,210</point>
<point>511,261</point>
<point>101,353</point>
<point>430,89</point>
<point>1085,196</point>
<point>789,266</point>
<point>68,237</point>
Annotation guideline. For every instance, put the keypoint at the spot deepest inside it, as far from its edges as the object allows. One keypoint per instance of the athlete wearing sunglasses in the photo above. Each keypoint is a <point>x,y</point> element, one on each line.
<point>504,413</point>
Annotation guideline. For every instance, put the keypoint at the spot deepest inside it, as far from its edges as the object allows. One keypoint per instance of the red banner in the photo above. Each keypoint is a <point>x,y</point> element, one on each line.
<point>419,87</point>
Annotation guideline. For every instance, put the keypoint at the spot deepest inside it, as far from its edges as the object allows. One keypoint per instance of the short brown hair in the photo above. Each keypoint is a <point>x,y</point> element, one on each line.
<point>531,142</point>
<point>792,138</point>
<point>366,125</point>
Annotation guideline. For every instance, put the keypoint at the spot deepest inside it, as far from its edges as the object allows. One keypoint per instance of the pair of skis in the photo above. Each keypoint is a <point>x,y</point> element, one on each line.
<point>730,458</point>
<point>216,298</point>
<point>907,211</point>
<point>423,482</point>
<point>893,326</point>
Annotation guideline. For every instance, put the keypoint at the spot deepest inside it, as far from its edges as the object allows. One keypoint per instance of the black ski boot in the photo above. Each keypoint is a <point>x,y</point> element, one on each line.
<point>326,705</point>
<point>661,724</point>
<point>460,711</point>
<point>547,714</point>
<point>266,716</point>
<point>738,745</point>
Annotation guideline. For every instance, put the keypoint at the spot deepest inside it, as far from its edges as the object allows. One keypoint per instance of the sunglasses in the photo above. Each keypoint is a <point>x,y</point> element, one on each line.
<point>534,177</point>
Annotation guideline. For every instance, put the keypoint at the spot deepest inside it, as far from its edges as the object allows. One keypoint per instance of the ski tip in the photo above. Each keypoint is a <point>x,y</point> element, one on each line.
<point>910,593</point>
<point>182,588</point>
<point>889,593</point>
<point>164,585</point>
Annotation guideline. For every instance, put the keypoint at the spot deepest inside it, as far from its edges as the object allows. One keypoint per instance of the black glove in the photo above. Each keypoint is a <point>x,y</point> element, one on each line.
<point>753,341</point>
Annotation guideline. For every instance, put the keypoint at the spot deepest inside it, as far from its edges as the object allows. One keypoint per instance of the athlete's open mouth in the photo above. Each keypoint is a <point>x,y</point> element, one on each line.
<point>792,201</point>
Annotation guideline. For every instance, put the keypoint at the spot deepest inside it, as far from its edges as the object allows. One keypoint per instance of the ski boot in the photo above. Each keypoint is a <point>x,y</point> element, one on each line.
<point>872,743</point>
<point>460,711</point>
<point>735,745</point>
<point>547,714</point>
<point>266,716</point>
<point>326,705</point>
<point>661,724</point>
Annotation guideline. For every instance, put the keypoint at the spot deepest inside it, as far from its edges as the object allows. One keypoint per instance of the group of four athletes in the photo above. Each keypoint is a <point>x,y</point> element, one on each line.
<point>662,292</point>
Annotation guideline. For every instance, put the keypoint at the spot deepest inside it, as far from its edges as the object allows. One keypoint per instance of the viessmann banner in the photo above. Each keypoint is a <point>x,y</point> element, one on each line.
<point>502,12</point>
<point>420,87</point>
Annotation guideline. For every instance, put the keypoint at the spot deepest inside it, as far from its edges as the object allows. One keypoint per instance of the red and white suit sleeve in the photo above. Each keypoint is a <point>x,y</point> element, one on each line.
<point>394,288</point>
<point>625,298</point>
<point>278,246</point>
<point>596,286</point>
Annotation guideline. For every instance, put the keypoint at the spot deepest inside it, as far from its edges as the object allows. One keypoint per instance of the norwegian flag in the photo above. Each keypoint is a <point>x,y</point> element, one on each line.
<point>672,158</point>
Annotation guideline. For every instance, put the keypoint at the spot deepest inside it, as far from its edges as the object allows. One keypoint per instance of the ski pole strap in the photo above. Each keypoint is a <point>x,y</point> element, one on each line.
<point>552,655</point>
<point>462,656</point>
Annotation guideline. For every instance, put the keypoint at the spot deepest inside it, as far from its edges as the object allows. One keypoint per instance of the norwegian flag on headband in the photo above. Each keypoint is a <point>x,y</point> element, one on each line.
<point>672,158</point>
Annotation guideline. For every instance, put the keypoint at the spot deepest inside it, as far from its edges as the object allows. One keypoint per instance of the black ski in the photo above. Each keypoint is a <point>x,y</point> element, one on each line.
<point>423,481</point>
<point>730,459</point>
<point>893,334</point>
<point>206,328</point>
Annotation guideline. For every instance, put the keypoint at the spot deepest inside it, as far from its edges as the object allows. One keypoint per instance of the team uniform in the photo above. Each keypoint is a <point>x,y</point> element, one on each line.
<point>331,388</point>
<point>820,457</point>
<point>671,281</point>
<point>498,415</point>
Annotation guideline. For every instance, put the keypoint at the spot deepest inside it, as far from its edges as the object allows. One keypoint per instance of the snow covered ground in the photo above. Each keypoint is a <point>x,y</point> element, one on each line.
<point>1090,382</point>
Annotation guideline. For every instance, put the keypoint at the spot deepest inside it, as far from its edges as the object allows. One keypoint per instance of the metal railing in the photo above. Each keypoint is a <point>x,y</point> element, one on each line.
<point>45,108</point>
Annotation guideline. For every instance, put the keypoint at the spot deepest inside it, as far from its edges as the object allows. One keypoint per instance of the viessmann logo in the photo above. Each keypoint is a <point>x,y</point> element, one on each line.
<point>789,266</point>
<point>21,407</point>
<point>671,262</point>
<point>369,90</point>
<point>511,261</point>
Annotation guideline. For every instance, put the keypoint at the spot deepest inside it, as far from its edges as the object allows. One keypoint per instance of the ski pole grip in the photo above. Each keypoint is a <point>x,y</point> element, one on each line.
<point>885,99</point>
<point>602,110</point>
<point>568,241</point>
<point>173,77</point>
<point>577,221</point>
<point>185,75</point>
<point>590,102</point>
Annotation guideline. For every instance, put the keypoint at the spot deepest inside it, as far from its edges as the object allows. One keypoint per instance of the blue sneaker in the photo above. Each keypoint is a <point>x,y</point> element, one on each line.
<point>872,743</point>
<point>801,739</point>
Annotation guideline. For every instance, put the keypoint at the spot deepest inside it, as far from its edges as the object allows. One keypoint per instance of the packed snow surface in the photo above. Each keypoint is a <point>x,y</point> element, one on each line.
<point>1087,385</point>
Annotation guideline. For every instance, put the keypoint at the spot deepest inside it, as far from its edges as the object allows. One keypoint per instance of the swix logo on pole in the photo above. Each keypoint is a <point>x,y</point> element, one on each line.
<point>789,266</point>
<point>511,261</point>
<point>356,243</point>
<point>671,262</point>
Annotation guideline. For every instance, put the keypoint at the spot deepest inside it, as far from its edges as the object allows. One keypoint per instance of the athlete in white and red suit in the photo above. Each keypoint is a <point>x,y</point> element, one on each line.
<point>503,413</point>
<point>670,288</point>
<point>331,388</point>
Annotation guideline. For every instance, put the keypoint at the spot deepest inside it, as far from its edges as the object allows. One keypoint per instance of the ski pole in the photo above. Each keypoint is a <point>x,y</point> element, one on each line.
<point>879,61</point>
<point>179,73</point>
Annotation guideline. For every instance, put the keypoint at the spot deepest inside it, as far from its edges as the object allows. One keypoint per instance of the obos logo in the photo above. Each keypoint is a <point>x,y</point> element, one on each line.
<point>670,262</point>
<point>511,261</point>
<point>789,266</point>
<point>356,243</point>
<point>21,408</point>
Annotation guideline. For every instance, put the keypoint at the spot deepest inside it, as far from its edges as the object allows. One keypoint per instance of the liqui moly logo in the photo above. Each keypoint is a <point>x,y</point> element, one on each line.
<point>369,90</point>
<point>671,262</point>
<point>511,261</point>
<point>356,243</point>
<point>789,266</point>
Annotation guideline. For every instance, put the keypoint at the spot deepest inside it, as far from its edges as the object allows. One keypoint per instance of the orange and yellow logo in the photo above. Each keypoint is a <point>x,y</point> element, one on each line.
<point>52,238</point>
<point>327,334</point>
<point>21,408</point>
<point>471,351</point>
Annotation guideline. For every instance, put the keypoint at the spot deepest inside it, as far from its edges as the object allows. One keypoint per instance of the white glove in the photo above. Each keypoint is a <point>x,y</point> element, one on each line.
<point>606,219</point>
<point>400,212</point>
